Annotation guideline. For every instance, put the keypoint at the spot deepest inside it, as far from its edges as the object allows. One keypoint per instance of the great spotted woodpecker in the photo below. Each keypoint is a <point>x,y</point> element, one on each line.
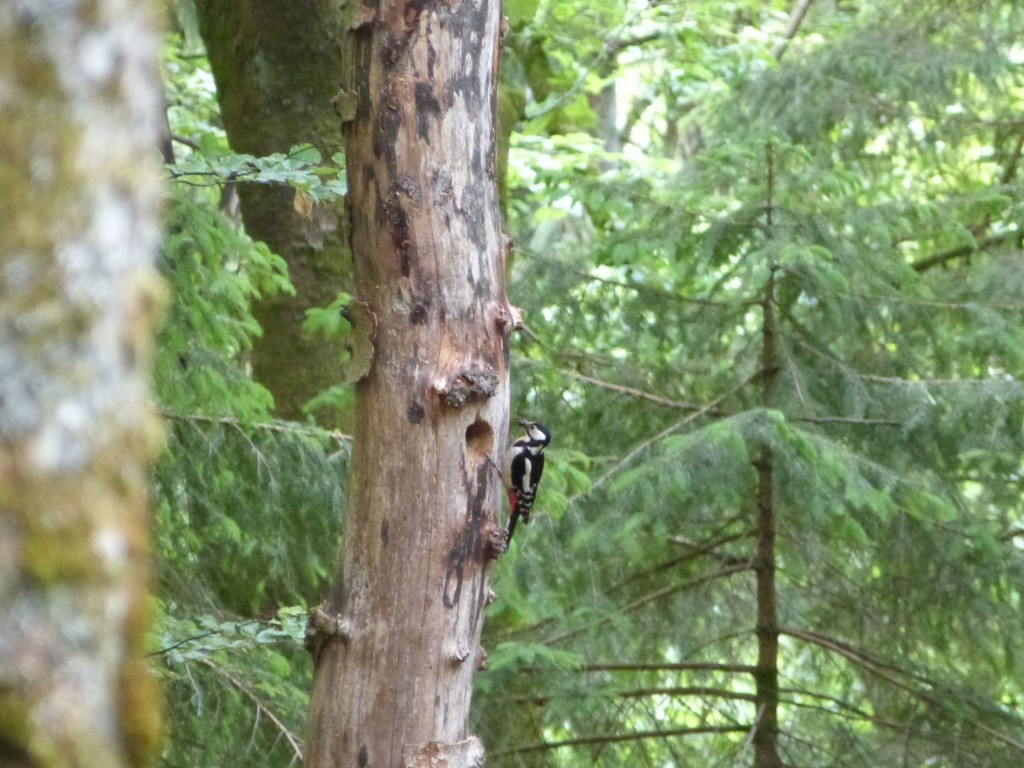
<point>521,471</point>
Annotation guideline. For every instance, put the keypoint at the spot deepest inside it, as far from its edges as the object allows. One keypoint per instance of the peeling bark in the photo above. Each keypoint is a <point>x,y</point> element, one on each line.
<point>419,106</point>
<point>79,126</point>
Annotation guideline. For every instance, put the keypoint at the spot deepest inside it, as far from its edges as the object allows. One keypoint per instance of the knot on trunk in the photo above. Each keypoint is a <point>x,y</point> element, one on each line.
<point>467,385</point>
<point>322,627</point>
<point>438,754</point>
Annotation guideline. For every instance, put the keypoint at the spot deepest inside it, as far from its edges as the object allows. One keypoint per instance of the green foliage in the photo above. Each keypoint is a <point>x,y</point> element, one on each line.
<point>300,168</point>
<point>214,272</point>
<point>865,187</point>
<point>225,678</point>
<point>247,513</point>
<point>329,321</point>
<point>247,508</point>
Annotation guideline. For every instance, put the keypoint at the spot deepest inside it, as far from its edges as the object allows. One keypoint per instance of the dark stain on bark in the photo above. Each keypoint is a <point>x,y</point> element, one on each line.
<point>364,757</point>
<point>428,109</point>
<point>392,49</point>
<point>413,9</point>
<point>470,545</point>
<point>380,205</point>
<point>479,526</point>
<point>385,137</point>
<point>384,533</point>
<point>415,413</point>
<point>363,54</point>
<point>431,58</point>
<point>419,314</point>
<point>450,596</point>
<point>475,215</point>
<point>397,222</point>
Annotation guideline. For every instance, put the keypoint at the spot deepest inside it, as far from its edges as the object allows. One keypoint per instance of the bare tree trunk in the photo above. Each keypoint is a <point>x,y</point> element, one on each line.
<point>397,642</point>
<point>277,67</point>
<point>79,127</point>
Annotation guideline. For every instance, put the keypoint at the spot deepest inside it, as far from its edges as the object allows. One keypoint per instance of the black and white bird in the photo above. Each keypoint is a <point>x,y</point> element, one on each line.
<point>521,472</point>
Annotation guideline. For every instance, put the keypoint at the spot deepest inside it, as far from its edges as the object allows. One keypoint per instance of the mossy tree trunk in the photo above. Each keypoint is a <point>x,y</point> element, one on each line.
<point>79,109</point>
<point>397,641</point>
<point>277,67</point>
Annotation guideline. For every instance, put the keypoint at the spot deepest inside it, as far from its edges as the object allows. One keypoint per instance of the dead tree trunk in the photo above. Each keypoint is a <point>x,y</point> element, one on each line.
<point>397,641</point>
<point>79,108</point>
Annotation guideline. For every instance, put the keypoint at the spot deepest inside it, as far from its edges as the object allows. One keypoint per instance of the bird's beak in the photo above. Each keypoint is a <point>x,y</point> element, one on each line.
<point>524,422</point>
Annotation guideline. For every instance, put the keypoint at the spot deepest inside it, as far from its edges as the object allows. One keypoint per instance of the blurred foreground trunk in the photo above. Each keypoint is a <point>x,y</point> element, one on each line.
<point>79,229</point>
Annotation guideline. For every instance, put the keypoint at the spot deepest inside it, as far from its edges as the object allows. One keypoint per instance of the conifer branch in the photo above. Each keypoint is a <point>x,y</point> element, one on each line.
<point>670,589</point>
<point>641,447</point>
<point>892,674</point>
<point>273,426</point>
<point>680,666</point>
<point>697,549</point>
<point>615,738</point>
<point>964,251</point>
<point>682,405</point>
<point>703,691</point>
<point>650,597</point>
<point>639,693</point>
<point>1012,534</point>
<point>261,706</point>
<point>638,288</point>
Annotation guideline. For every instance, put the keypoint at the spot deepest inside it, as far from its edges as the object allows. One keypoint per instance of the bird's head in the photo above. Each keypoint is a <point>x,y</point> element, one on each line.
<point>537,434</point>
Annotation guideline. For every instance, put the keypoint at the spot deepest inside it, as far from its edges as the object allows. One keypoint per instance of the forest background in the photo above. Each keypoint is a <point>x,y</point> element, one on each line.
<point>769,257</point>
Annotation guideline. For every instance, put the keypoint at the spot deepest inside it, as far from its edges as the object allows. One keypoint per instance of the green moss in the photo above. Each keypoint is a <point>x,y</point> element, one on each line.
<point>58,556</point>
<point>15,729</point>
<point>141,712</point>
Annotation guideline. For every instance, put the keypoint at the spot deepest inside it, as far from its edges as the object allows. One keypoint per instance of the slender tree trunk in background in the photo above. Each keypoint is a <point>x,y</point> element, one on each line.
<point>766,672</point>
<point>80,100</point>
<point>397,641</point>
<point>277,67</point>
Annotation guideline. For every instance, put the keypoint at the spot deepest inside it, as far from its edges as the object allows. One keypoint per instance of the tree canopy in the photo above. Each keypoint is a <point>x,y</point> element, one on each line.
<point>770,264</point>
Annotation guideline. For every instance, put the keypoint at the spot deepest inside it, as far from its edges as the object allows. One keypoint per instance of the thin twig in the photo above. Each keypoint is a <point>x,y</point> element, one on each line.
<point>292,739</point>
<point>796,18</point>
<point>847,420</point>
<point>186,641</point>
<point>631,391</point>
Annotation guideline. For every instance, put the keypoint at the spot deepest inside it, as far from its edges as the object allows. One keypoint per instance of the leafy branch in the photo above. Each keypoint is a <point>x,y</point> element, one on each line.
<point>301,168</point>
